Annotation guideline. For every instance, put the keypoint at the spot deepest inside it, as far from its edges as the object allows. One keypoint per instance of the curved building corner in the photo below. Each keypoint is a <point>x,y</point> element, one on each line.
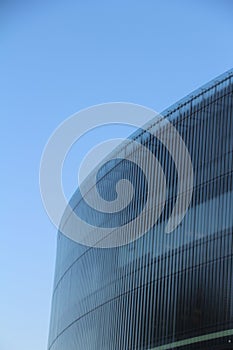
<point>162,291</point>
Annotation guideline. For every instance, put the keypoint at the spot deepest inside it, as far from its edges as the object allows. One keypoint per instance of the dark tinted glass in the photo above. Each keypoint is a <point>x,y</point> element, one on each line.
<point>162,288</point>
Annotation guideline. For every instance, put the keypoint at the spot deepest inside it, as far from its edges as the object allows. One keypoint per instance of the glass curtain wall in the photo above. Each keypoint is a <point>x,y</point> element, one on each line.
<point>162,291</point>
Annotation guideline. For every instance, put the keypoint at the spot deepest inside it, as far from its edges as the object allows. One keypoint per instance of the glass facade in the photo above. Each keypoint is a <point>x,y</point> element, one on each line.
<point>162,291</point>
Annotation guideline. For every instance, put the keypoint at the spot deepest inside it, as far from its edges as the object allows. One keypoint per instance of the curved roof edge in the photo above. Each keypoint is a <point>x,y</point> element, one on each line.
<point>168,111</point>
<point>185,100</point>
<point>199,91</point>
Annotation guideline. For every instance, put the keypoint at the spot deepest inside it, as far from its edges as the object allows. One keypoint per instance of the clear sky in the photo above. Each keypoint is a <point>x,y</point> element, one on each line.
<point>57,57</point>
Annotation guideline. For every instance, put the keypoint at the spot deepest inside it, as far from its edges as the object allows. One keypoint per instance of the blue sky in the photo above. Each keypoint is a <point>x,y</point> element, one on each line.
<point>56,58</point>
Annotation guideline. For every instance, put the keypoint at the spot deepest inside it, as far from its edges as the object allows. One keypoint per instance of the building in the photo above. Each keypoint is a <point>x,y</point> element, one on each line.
<point>162,291</point>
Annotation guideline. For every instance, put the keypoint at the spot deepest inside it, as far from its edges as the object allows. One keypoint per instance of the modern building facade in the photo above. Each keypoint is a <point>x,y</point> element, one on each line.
<point>162,291</point>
